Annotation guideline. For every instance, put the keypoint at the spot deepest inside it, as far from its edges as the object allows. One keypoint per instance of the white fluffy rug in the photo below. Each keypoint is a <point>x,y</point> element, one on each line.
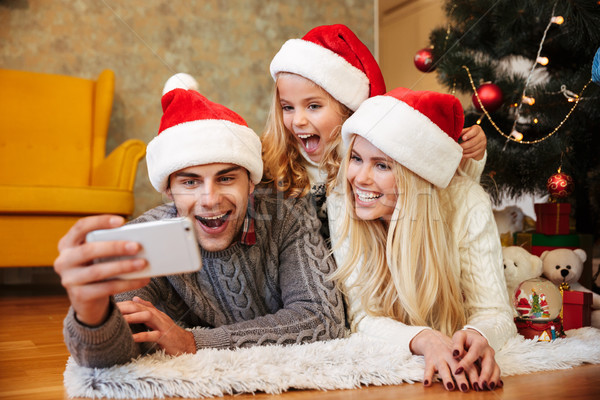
<point>338,364</point>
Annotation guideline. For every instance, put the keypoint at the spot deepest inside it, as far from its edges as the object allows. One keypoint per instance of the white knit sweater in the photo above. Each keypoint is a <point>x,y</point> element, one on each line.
<point>481,269</point>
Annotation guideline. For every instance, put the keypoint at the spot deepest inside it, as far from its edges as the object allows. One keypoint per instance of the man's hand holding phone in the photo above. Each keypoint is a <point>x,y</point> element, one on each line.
<point>99,257</point>
<point>88,284</point>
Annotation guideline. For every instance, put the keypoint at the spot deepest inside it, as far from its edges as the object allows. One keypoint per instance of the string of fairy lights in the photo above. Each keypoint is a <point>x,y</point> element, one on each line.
<point>515,135</point>
<point>526,98</point>
<point>488,97</point>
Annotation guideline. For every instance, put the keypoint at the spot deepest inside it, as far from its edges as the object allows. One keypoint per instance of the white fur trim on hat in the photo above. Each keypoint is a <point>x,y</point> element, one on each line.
<point>407,136</point>
<point>181,81</point>
<point>203,142</point>
<point>333,73</point>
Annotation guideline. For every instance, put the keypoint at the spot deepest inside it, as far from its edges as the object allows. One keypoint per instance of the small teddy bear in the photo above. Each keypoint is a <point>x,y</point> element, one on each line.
<point>566,265</point>
<point>519,266</point>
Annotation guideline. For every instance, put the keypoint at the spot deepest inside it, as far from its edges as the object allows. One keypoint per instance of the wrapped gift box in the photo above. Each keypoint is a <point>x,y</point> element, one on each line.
<point>537,243</point>
<point>577,309</point>
<point>552,218</point>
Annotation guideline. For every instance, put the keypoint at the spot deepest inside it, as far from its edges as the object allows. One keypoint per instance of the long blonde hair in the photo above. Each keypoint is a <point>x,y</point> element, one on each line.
<point>283,161</point>
<point>407,269</point>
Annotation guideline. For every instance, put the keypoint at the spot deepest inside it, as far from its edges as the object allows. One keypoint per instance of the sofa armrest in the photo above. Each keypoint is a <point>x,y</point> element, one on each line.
<point>119,168</point>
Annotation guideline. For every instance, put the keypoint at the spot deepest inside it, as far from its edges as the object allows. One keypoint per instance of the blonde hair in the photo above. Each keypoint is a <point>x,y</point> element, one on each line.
<point>407,267</point>
<point>283,161</point>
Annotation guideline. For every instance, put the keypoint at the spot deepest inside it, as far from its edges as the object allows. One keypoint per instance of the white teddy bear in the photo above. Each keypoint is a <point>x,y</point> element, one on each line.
<point>519,266</point>
<point>566,265</point>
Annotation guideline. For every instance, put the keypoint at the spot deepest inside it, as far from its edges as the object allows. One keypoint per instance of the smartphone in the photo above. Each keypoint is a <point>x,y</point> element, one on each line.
<point>169,246</point>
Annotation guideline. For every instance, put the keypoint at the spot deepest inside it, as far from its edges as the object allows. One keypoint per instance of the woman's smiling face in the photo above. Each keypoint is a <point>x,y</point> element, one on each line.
<point>372,180</point>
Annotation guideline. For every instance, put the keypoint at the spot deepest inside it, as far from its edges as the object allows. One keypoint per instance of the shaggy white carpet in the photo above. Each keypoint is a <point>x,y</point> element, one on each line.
<point>337,364</point>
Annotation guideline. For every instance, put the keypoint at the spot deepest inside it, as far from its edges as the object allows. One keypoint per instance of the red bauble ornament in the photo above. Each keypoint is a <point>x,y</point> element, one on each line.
<point>491,97</point>
<point>560,185</point>
<point>424,60</point>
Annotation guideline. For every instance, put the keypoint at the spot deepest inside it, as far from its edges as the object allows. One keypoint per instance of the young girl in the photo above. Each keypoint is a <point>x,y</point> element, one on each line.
<point>424,269</point>
<point>321,80</point>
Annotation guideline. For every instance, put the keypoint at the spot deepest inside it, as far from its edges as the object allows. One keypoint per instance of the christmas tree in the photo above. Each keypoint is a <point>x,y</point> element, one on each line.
<point>530,63</point>
<point>536,310</point>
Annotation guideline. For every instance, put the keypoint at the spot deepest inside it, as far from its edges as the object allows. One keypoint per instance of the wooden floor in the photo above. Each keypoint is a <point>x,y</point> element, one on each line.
<point>33,357</point>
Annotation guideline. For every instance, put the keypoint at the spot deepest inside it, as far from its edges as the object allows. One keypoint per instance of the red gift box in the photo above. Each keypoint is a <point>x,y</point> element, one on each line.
<point>577,309</point>
<point>552,218</point>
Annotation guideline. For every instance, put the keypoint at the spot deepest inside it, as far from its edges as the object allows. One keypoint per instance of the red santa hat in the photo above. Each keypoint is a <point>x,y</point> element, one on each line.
<point>335,59</point>
<point>196,131</point>
<point>418,129</point>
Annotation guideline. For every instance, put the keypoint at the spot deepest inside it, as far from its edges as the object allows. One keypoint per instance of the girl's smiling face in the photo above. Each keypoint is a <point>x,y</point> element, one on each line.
<point>372,180</point>
<point>309,113</point>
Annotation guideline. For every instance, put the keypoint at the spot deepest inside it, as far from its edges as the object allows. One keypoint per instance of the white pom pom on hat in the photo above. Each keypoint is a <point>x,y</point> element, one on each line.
<point>181,81</point>
<point>196,131</point>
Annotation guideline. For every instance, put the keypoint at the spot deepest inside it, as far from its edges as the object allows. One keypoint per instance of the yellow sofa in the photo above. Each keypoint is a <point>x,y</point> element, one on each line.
<point>53,168</point>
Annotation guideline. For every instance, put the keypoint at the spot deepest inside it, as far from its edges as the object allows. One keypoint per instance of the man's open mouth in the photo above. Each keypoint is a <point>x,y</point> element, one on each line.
<point>214,221</point>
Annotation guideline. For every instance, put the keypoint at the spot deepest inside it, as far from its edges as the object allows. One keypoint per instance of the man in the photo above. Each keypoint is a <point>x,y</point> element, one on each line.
<point>265,266</point>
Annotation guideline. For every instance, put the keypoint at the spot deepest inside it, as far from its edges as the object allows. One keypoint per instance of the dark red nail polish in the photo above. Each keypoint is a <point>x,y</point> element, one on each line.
<point>450,386</point>
<point>459,370</point>
<point>464,387</point>
<point>455,353</point>
<point>426,383</point>
<point>492,385</point>
<point>501,383</point>
<point>476,387</point>
<point>485,385</point>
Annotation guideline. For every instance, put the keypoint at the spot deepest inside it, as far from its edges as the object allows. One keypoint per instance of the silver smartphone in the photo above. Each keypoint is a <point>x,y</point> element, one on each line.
<point>169,246</point>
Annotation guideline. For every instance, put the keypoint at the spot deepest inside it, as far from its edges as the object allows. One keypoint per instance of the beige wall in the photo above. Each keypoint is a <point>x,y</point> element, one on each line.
<point>404,28</point>
<point>226,44</point>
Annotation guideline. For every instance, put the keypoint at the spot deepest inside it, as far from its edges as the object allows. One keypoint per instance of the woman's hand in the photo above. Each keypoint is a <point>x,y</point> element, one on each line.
<point>473,142</point>
<point>438,351</point>
<point>476,360</point>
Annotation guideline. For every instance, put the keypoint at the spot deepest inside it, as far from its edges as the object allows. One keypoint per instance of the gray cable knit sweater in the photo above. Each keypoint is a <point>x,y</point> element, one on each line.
<point>272,292</point>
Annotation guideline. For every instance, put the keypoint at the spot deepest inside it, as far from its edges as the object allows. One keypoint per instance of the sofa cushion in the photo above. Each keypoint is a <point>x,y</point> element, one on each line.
<point>64,200</point>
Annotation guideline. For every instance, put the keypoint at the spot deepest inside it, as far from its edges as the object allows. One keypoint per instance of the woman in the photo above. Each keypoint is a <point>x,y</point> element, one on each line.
<point>418,253</point>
